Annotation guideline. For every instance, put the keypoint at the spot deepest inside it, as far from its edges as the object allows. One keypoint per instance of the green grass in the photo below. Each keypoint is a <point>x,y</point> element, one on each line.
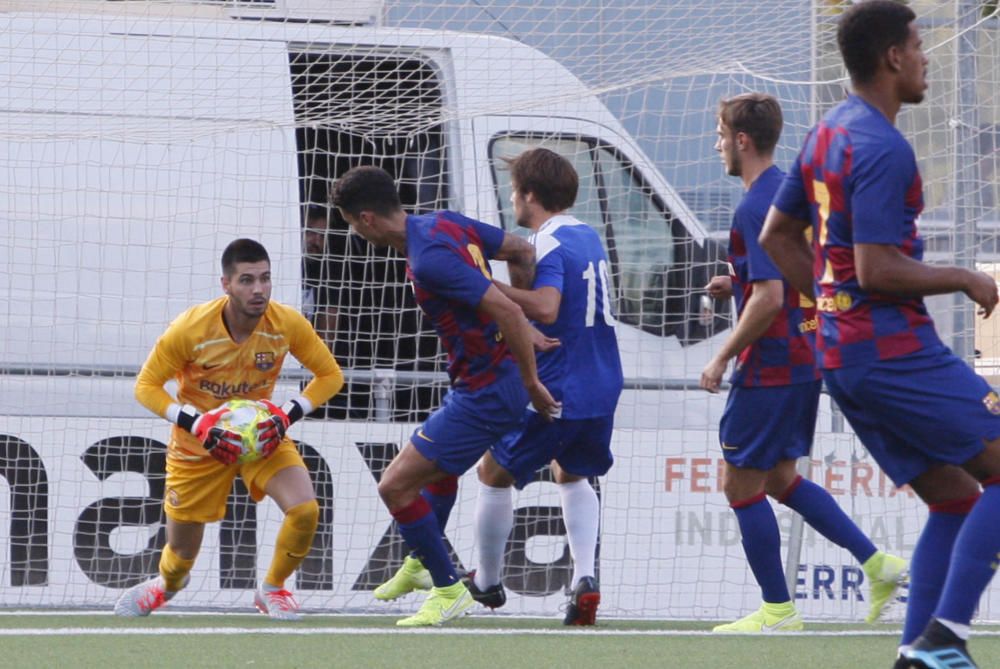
<point>487,642</point>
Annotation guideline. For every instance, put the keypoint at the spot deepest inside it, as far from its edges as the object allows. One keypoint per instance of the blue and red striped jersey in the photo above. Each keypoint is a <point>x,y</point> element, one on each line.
<point>857,180</point>
<point>783,355</point>
<point>446,261</point>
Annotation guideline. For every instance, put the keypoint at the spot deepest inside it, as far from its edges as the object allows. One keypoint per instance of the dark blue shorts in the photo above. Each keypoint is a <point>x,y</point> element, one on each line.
<point>467,424</point>
<point>582,447</point>
<point>916,411</point>
<point>762,426</point>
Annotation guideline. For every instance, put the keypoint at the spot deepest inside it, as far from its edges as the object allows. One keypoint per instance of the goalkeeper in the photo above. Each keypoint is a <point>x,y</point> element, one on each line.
<point>232,347</point>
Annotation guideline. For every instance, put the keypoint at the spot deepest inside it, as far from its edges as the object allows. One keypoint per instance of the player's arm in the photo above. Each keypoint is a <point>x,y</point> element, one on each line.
<point>520,257</point>
<point>309,349</point>
<point>720,287</point>
<point>762,306</point>
<point>517,332</point>
<point>541,300</point>
<point>540,304</point>
<point>880,180</point>
<point>165,361</point>
<point>783,236</point>
<point>883,268</point>
<point>784,239</point>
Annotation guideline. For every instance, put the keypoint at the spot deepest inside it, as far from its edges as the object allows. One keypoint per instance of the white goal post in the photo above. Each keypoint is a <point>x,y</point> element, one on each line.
<point>138,138</point>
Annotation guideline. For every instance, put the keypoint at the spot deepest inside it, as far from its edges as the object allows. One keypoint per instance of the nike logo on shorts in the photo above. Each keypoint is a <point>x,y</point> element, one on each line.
<point>727,447</point>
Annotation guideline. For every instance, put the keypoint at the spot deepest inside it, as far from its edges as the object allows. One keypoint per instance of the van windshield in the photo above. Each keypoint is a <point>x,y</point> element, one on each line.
<point>638,234</point>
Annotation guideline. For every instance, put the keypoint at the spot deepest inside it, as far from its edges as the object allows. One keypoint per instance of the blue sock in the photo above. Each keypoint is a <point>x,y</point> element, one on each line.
<point>819,509</point>
<point>762,545</point>
<point>419,527</point>
<point>929,566</point>
<point>441,496</point>
<point>973,560</point>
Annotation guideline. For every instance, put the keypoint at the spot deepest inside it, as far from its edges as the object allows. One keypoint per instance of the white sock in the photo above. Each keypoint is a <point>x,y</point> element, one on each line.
<point>494,521</point>
<point>960,630</point>
<point>582,515</point>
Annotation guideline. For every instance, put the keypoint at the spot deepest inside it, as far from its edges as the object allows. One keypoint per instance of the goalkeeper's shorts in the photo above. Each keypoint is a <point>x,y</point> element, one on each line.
<point>917,411</point>
<point>764,425</point>
<point>197,490</point>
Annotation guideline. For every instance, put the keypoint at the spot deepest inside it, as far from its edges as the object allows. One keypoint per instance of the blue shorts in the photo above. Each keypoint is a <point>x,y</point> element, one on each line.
<point>582,447</point>
<point>764,425</point>
<point>916,411</point>
<point>466,424</point>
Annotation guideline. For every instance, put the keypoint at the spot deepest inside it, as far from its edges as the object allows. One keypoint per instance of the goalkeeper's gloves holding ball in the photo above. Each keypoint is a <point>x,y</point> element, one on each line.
<point>222,444</point>
<point>271,431</point>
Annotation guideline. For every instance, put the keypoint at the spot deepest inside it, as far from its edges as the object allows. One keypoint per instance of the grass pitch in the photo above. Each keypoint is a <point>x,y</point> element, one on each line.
<point>180,641</point>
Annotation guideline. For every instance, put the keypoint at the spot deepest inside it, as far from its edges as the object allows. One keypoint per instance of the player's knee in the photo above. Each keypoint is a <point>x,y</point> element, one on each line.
<point>393,494</point>
<point>304,516</point>
<point>778,486</point>
<point>738,488</point>
<point>493,475</point>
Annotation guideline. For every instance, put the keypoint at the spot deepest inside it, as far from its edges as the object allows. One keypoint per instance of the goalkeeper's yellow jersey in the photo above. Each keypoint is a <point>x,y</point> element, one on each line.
<point>211,368</point>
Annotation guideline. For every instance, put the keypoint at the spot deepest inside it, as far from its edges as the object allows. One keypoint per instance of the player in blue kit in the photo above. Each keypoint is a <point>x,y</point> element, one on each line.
<point>568,302</point>
<point>491,363</point>
<point>924,415</point>
<point>771,409</point>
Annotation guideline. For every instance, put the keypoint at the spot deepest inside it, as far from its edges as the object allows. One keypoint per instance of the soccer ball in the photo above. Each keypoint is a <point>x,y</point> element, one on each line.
<point>242,417</point>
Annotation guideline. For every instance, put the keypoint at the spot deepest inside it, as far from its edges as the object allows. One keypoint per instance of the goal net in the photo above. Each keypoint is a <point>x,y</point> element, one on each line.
<point>139,137</point>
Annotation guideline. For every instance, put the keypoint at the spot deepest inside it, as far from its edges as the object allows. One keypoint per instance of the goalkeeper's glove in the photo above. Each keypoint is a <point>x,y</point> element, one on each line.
<point>271,431</point>
<point>222,444</point>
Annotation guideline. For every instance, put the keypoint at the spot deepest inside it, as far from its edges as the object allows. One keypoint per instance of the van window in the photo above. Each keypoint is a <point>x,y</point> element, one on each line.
<point>358,293</point>
<point>588,205</point>
<point>637,233</point>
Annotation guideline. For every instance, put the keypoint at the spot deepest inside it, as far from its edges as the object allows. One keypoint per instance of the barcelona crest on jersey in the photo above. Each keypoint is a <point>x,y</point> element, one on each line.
<point>264,361</point>
<point>992,403</point>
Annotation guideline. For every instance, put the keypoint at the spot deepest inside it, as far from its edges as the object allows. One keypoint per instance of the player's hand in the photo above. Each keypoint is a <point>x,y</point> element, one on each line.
<point>271,431</point>
<point>711,376</point>
<point>542,343</point>
<point>543,401</point>
<point>982,289</point>
<point>720,287</point>
<point>222,444</point>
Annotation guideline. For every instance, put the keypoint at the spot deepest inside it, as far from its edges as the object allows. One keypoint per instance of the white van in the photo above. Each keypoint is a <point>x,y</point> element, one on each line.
<point>140,138</point>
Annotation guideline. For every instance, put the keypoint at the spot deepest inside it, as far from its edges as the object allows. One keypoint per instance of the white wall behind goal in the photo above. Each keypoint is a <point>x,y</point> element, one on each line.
<point>669,547</point>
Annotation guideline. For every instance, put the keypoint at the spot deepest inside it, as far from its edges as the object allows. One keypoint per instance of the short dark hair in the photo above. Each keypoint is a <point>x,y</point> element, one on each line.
<point>547,175</point>
<point>366,188</point>
<point>867,30</point>
<point>314,212</point>
<point>756,114</point>
<point>242,250</point>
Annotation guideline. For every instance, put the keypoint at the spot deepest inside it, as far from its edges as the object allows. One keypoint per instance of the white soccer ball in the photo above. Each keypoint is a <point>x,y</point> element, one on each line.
<point>242,417</point>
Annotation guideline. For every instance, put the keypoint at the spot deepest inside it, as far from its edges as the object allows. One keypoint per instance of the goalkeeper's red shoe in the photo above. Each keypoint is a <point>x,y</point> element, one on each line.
<point>582,609</point>
<point>278,604</point>
<point>141,600</point>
